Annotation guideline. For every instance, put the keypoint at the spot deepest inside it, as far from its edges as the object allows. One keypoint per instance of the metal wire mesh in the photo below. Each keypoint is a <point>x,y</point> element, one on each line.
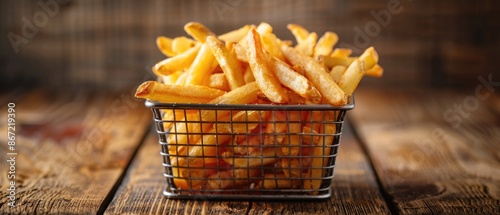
<point>248,151</point>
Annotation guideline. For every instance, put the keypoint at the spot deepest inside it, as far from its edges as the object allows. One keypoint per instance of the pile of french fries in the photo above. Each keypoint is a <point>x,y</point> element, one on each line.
<point>250,65</point>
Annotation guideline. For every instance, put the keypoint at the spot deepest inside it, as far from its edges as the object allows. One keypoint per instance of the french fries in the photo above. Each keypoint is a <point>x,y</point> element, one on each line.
<point>352,76</point>
<point>229,64</point>
<point>294,81</point>
<point>236,35</point>
<point>307,46</point>
<point>266,80</point>
<point>375,71</point>
<point>321,154</point>
<point>198,31</point>
<point>202,66</point>
<point>218,81</point>
<point>218,147</point>
<point>318,76</point>
<point>181,44</point>
<point>299,32</point>
<point>177,93</point>
<point>164,44</point>
<point>325,44</point>
<point>176,63</point>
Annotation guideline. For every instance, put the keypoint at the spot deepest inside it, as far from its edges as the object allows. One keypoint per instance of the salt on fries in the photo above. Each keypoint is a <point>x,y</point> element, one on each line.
<point>250,65</point>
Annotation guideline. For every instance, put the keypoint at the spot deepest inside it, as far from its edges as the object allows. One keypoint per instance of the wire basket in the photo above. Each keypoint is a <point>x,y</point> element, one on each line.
<point>254,151</point>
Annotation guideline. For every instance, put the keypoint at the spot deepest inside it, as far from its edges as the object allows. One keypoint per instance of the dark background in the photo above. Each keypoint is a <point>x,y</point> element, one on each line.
<point>110,45</point>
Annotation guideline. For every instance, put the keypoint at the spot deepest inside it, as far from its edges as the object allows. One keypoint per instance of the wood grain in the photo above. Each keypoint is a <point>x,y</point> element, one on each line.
<point>426,162</point>
<point>72,149</point>
<point>142,190</point>
<point>355,189</point>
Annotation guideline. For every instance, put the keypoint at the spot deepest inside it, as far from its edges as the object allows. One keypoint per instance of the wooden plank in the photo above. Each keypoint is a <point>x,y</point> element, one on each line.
<point>354,189</point>
<point>428,159</point>
<point>142,190</point>
<point>71,150</point>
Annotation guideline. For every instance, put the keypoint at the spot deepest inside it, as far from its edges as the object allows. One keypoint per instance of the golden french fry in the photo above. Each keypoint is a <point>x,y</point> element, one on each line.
<point>164,44</point>
<point>235,35</point>
<point>272,45</point>
<point>242,95</point>
<point>291,167</point>
<point>188,177</point>
<point>177,164</point>
<point>291,142</point>
<point>265,79</point>
<point>229,64</point>
<point>178,137</point>
<point>182,79</point>
<point>299,32</point>
<point>318,76</point>
<point>369,58</point>
<point>307,46</point>
<point>182,44</point>
<point>299,69</point>
<point>204,152</point>
<point>296,98</point>
<point>246,144</point>
<point>276,129</point>
<point>176,63</point>
<point>310,136</point>
<point>321,60</point>
<point>155,91</point>
<point>375,71</point>
<point>336,72</point>
<point>202,66</point>
<point>326,43</point>
<point>294,81</point>
<point>198,31</point>
<point>321,155</point>
<point>170,116</point>
<point>262,28</point>
<point>241,53</point>
<point>218,81</point>
<point>194,176</point>
<point>219,180</point>
<point>230,47</point>
<point>231,178</point>
<point>331,62</point>
<point>254,158</point>
<point>341,52</point>
<point>351,78</point>
<point>314,120</point>
<point>248,75</point>
<point>242,122</point>
<point>172,78</point>
<point>275,181</point>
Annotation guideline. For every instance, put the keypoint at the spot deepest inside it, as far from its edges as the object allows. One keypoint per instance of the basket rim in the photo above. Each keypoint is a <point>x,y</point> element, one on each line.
<point>154,104</point>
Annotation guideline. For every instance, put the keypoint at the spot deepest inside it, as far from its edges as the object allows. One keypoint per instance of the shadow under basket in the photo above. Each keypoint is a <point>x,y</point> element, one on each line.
<point>253,151</point>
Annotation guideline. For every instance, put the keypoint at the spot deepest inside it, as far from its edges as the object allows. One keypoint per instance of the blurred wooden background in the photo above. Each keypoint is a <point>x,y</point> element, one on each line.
<point>111,44</point>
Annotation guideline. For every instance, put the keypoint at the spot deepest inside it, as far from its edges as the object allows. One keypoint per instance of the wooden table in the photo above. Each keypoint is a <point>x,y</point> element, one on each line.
<point>402,152</point>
